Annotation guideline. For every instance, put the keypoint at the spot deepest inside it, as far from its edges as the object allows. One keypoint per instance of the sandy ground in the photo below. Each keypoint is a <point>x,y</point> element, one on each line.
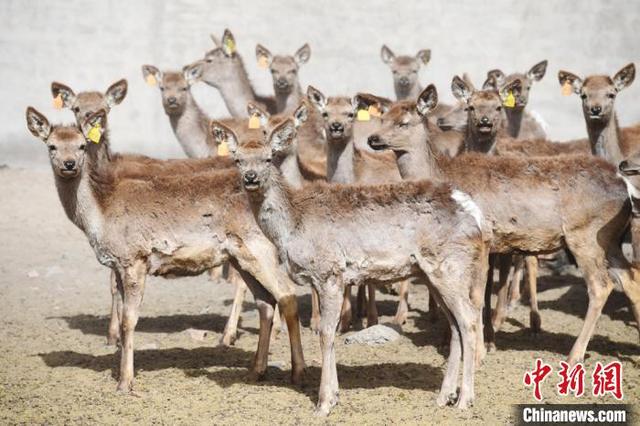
<point>55,367</point>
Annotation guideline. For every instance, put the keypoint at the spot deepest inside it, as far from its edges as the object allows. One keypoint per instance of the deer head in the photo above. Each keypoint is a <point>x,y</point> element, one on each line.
<point>220,63</point>
<point>284,68</point>
<point>598,92</point>
<point>536,73</point>
<point>338,114</point>
<point>174,86</point>
<point>86,103</point>
<point>405,69</point>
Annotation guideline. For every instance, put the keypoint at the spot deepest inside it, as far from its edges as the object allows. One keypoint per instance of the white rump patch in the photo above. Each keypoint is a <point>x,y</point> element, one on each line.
<point>536,116</point>
<point>468,205</point>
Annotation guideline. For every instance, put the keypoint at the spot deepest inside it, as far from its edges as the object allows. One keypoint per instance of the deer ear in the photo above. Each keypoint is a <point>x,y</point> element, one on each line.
<point>514,87</point>
<point>316,98</point>
<point>624,77</point>
<point>497,75</point>
<point>116,93</point>
<point>228,43</point>
<point>255,110</point>
<point>490,83</point>
<point>151,71</point>
<point>215,40</point>
<point>467,79</point>
<point>427,100</point>
<point>282,136</point>
<point>300,115</point>
<point>460,89</point>
<point>303,54</point>
<point>192,73</point>
<point>263,55</point>
<point>366,100</point>
<point>538,71</point>
<point>66,94</point>
<point>38,124</point>
<point>424,56</point>
<point>222,133</point>
<point>386,54</point>
<point>565,77</point>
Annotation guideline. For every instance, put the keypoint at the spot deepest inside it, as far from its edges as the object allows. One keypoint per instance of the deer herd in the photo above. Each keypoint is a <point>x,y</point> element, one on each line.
<point>332,192</point>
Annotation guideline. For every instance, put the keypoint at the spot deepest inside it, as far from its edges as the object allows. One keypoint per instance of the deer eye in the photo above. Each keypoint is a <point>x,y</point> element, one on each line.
<point>237,161</point>
<point>268,160</point>
<point>82,147</point>
<point>499,108</point>
<point>208,60</point>
<point>76,109</point>
<point>184,89</point>
<point>52,148</point>
<point>611,95</point>
<point>470,108</point>
<point>161,89</point>
<point>350,115</point>
<point>325,114</point>
<point>583,96</point>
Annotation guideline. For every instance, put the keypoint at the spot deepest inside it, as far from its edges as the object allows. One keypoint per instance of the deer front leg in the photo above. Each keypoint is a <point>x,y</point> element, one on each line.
<point>489,333</point>
<point>113,335</point>
<point>288,306</point>
<point>372,309</point>
<point>345,312</point>
<point>330,300</point>
<point>133,281</point>
<point>500,313</point>
<point>514,287</point>
<point>403,305</point>
<point>361,302</point>
<point>315,311</point>
<point>535,322</point>
<point>231,328</point>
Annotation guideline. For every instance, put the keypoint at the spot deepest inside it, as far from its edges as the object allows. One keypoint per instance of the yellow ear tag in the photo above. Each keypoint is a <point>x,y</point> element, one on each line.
<point>363,115</point>
<point>374,111</point>
<point>510,101</point>
<point>57,102</point>
<point>254,122</point>
<point>223,149</point>
<point>566,88</point>
<point>151,80</point>
<point>94,134</point>
<point>230,44</point>
<point>263,62</point>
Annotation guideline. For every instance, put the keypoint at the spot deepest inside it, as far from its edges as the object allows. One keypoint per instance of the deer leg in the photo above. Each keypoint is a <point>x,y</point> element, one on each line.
<point>489,333</point>
<point>288,306</point>
<point>532,283</point>
<point>113,335</point>
<point>330,299</point>
<point>514,287</point>
<point>403,305</point>
<point>500,313</point>
<point>361,302</point>
<point>231,328</point>
<point>372,309</point>
<point>315,311</point>
<point>449,388</point>
<point>345,313</point>
<point>629,278</point>
<point>133,281</point>
<point>433,309</point>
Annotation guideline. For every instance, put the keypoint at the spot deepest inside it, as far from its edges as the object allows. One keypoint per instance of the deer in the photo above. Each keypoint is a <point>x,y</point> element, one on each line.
<point>284,71</point>
<point>171,225</point>
<point>446,243</point>
<point>598,94</point>
<point>405,69</point>
<point>525,199</point>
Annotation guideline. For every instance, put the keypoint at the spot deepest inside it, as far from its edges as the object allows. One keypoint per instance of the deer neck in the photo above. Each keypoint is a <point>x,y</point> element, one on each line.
<point>289,166</point>
<point>514,120</point>
<point>288,101</point>
<point>273,210</point>
<point>190,128</point>
<point>236,89</point>
<point>407,93</point>
<point>418,160</point>
<point>478,142</point>
<point>340,155</point>
<point>605,139</point>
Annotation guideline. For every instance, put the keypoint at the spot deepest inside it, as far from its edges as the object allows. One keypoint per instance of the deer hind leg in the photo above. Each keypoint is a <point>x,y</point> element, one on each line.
<point>231,328</point>
<point>133,281</point>
<point>372,309</point>
<point>403,305</point>
<point>629,278</point>
<point>113,335</point>
<point>315,311</point>
<point>500,313</point>
<point>361,302</point>
<point>516,278</point>
<point>433,309</point>
<point>592,263</point>
<point>489,333</point>
<point>345,312</point>
<point>535,322</point>
<point>331,294</point>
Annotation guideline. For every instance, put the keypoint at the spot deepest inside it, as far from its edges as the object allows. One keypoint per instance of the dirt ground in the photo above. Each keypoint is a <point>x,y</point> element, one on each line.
<point>55,367</point>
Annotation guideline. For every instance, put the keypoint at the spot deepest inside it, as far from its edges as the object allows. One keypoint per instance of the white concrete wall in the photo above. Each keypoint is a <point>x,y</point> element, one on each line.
<point>88,45</point>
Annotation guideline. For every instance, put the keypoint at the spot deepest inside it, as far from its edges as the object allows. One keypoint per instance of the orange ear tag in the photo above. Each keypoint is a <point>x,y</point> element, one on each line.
<point>566,88</point>
<point>223,149</point>
<point>254,122</point>
<point>374,111</point>
<point>263,62</point>
<point>57,102</point>
<point>151,80</point>
<point>363,115</point>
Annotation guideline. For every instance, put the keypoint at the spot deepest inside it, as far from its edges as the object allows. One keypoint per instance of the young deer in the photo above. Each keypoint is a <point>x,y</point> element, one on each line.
<point>527,202</point>
<point>169,225</point>
<point>598,94</point>
<point>284,71</point>
<point>364,238</point>
<point>405,71</point>
<point>86,103</point>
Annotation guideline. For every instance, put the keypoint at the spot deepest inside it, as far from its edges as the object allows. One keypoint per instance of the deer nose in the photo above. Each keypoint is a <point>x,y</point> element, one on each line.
<point>623,165</point>
<point>69,164</point>
<point>404,81</point>
<point>373,139</point>
<point>336,127</point>
<point>282,83</point>
<point>172,100</point>
<point>250,176</point>
<point>596,110</point>
<point>484,120</point>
